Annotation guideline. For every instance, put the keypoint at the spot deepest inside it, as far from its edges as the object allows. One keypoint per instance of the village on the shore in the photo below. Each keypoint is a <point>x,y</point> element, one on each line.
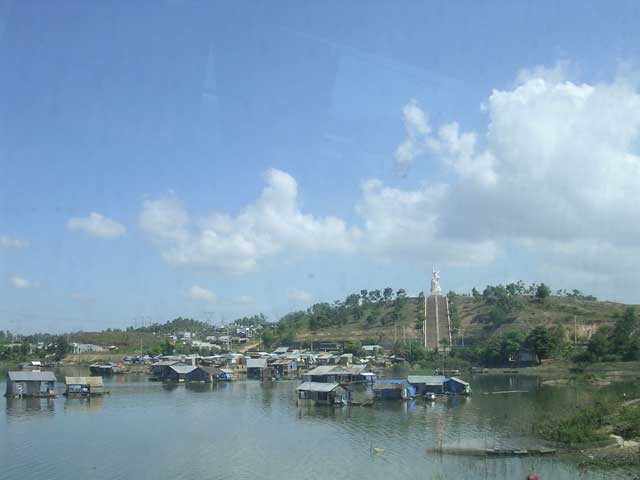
<point>328,374</point>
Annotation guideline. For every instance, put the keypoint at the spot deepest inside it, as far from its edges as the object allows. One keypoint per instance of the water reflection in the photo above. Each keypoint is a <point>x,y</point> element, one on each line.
<point>84,405</point>
<point>246,429</point>
<point>19,407</point>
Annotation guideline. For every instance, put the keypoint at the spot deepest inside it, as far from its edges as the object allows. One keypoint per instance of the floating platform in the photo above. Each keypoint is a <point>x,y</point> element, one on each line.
<point>495,452</point>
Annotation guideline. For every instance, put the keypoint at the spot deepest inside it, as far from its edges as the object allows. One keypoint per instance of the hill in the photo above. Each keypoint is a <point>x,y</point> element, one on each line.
<point>474,318</point>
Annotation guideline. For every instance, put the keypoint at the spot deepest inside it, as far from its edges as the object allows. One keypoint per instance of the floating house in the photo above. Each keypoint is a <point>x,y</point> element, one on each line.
<point>456,386</point>
<point>428,383</point>
<point>84,386</point>
<point>158,369</point>
<point>327,359</point>
<point>31,365</point>
<point>178,373</point>
<point>256,368</point>
<point>336,374</point>
<point>30,384</point>
<point>314,393</point>
<point>208,375</point>
<point>393,390</point>
<point>105,369</point>
<point>346,359</point>
<point>285,368</point>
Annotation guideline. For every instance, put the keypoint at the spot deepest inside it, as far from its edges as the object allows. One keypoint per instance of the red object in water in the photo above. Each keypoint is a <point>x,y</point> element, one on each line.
<point>532,477</point>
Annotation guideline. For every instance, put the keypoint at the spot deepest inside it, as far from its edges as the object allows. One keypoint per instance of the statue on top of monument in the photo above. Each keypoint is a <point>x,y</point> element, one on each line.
<point>435,282</point>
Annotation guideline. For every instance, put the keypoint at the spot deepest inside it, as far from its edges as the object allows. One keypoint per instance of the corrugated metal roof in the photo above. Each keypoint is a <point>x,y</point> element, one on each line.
<point>164,363</point>
<point>427,379</point>
<point>93,381</point>
<point>455,379</point>
<point>321,370</point>
<point>182,369</point>
<point>31,376</point>
<point>256,363</point>
<point>317,387</point>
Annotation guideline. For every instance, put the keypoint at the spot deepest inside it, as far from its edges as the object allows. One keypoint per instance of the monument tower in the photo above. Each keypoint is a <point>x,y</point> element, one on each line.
<point>437,321</point>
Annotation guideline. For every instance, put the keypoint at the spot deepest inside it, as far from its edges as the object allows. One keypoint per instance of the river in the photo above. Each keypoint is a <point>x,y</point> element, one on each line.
<point>253,430</point>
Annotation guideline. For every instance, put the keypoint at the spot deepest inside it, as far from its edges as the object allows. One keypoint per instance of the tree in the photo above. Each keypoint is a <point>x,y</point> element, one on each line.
<point>539,340</point>
<point>542,292</point>
<point>387,294</point>
<point>62,347</point>
<point>599,344</point>
<point>352,300</point>
<point>401,293</point>
<point>475,293</point>
<point>374,296</point>
<point>364,295</point>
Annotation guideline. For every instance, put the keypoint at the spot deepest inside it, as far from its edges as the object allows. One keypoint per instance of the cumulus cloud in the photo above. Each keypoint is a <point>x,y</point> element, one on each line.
<point>269,226</point>
<point>298,296</point>
<point>19,282</point>
<point>97,225</point>
<point>200,293</point>
<point>11,242</point>
<point>557,171</point>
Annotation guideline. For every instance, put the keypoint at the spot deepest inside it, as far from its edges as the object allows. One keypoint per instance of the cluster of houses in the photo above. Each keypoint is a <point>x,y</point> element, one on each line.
<point>328,378</point>
<point>221,339</point>
<point>338,385</point>
<point>36,383</point>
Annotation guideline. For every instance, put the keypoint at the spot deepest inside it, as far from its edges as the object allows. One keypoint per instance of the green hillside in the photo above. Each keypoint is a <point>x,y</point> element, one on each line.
<point>474,318</point>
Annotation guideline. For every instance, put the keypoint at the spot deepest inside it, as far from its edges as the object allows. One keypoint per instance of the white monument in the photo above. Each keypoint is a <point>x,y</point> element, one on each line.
<point>435,282</point>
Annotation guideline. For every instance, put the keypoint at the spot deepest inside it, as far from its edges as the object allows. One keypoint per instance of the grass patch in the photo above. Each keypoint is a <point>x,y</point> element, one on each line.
<point>584,426</point>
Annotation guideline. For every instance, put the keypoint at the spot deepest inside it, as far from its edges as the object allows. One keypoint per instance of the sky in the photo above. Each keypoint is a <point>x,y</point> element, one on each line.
<point>219,159</point>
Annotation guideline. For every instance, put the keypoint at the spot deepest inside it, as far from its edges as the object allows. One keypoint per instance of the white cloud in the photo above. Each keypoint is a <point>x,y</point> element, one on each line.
<point>407,225</point>
<point>416,123</point>
<point>559,172</point>
<point>10,242</point>
<point>555,174</point>
<point>270,226</point>
<point>201,293</point>
<point>299,297</point>
<point>19,282</point>
<point>97,225</point>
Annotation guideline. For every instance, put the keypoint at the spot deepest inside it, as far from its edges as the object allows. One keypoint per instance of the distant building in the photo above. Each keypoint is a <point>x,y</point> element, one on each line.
<point>346,359</point>
<point>458,387</point>
<point>178,373</point>
<point>30,384</point>
<point>207,375</point>
<point>372,349</point>
<point>285,368</point>
<point>256,368</point>
<point>336,374</point>
<point>322,393</point>
<point>393,390</point>
<point>427,383</point>
<point>84,386</point>
<point>79,348</point>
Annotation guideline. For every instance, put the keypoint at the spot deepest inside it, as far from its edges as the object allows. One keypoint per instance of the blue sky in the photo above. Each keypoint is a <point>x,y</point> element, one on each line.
<point>253,157</point>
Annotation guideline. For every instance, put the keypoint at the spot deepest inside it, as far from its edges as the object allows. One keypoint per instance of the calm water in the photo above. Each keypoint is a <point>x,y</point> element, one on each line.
<point>249,430</point>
